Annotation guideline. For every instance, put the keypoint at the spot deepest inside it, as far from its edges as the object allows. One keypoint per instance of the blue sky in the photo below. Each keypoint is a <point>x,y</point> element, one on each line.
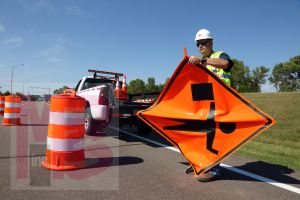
<point>58,41</point>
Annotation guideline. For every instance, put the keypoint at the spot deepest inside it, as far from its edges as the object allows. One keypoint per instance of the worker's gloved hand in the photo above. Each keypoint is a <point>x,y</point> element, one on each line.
<point>195,60</point>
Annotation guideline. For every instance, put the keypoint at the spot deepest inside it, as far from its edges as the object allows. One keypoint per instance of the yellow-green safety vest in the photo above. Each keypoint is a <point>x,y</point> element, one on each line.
<point>225,76</point>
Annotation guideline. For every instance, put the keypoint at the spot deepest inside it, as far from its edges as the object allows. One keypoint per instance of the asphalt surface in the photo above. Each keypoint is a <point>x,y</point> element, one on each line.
<point>120,166</point>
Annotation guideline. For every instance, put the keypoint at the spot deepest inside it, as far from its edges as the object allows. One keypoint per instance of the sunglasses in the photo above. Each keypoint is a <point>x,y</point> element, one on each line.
<point>202,42</point>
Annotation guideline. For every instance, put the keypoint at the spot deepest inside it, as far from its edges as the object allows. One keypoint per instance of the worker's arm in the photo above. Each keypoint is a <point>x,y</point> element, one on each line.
<point>224,62</point>
<point>217,62</point>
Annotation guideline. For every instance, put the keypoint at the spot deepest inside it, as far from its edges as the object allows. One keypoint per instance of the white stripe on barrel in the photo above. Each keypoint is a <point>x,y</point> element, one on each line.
<point>56,144</point>
<point>1,109</point>
<point>2,102</point>
<point>12,105</point>
<point>11,115</point>
<point>62,118</point>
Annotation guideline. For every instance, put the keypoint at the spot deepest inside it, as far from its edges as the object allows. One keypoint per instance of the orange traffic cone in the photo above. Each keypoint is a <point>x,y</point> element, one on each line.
<point>117,89</point>
<point>117,85</point>
<point>120,93</point>
<point>12,110</point>
<point>2,103</point>
<point>65,142</point>
<point>124,88</point>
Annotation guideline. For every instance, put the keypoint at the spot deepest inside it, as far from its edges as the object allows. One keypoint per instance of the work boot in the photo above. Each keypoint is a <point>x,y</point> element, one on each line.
<point>210,175</point>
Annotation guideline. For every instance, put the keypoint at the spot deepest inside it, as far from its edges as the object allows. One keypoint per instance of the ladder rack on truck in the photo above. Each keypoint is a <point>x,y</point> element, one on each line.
<point>115,76</point>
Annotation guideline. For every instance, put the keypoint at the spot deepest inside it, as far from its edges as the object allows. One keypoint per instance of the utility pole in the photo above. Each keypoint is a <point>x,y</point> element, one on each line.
<point>12,75</point>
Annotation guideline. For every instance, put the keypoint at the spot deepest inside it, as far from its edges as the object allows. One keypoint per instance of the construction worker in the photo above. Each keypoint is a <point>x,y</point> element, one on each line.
<point>218,62</point>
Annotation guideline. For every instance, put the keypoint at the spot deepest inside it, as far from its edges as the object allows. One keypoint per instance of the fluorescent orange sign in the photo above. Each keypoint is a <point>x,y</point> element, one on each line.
<point>205,118</point>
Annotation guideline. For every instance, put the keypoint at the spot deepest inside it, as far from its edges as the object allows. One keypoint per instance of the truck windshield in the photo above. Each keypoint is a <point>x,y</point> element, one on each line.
<point>90,82</point>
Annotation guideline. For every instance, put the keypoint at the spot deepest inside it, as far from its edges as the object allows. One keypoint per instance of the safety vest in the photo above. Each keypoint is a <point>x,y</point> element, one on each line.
<point>225,76</point>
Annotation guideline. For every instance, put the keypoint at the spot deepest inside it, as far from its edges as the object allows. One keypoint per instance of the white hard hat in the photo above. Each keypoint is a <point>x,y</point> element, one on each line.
<point>203,34</point>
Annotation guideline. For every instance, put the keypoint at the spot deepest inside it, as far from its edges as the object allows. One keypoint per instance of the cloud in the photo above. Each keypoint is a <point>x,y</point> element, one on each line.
<point>2,28</point>
<point>13,40</point>
<point>53,59</point>
<point>58,45</point>
<point>75,10</point>
<point>36,5</point>
<point>55,50</point>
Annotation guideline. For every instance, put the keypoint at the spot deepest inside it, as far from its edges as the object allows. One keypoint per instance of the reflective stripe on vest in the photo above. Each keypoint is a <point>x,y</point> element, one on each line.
<point>225,76</point>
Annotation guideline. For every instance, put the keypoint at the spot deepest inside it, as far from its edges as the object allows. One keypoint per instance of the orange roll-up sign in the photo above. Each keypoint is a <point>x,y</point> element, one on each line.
<point>203,117</point>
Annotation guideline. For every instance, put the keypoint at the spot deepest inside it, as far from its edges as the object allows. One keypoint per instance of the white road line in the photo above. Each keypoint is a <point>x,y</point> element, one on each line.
<point>263,179</point>
<point>147,140</point>
<point>251,175</point>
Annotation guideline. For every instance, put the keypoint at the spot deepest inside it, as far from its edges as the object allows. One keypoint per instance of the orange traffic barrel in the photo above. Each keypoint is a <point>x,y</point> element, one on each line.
<point>12,110</point>
<point>65,141</point>
<point>2,103</point>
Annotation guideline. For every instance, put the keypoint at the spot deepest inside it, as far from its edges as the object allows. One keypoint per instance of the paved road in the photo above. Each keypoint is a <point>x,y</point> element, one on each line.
<point>120,166</point>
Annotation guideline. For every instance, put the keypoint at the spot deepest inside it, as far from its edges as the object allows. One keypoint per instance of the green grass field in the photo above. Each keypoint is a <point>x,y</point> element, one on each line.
<point>281,143</point>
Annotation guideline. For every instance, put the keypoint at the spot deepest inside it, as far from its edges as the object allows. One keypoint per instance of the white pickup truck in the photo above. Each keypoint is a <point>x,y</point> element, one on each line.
<point>98,91</point>
<point>102,104</point>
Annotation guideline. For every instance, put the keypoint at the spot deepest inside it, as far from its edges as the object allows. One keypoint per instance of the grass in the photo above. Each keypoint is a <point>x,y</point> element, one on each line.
<point>281,143</point>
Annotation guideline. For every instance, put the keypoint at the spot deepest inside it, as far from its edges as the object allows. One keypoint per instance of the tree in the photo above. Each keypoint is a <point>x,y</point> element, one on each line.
<point>60,90</point>
<point>285,76</point>
<point>23,97</point>
<point>7,93</point>
<point>240,76</point>
<point>34,97</point>
<point>244,80</point>
<point>161,86</point>
<point>151,86</point>
<point>259,77</point>
<point>136,86</point>
<point>139,86</point>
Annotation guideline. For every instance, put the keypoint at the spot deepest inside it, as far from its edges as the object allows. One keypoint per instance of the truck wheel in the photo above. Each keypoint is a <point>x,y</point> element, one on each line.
<point>89,122</point>
<point>142,127</point>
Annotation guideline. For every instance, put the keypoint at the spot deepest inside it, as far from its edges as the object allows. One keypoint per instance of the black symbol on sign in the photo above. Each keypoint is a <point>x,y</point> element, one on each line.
<point>200,92</point>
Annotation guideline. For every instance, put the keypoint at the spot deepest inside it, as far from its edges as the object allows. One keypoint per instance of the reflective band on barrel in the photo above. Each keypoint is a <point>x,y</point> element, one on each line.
<point>12,105</point>
<point>61,118</point>
<point>12,115</point>
<point>55,144</point>
<point>2,102</point>
<point>1,108</point>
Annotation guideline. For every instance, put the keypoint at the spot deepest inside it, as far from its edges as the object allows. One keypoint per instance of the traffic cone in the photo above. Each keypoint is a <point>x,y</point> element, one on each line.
<point>65,141</point>
<point>2,104</point>
<point>117,85</point>
<point>124,87</point>
<point>117,89</point>
<point>123,94</point>
<point>12,110</point>
<point>119,93</point>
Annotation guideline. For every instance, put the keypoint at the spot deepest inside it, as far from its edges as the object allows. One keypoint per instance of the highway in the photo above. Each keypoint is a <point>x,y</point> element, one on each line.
<point>121,164</point>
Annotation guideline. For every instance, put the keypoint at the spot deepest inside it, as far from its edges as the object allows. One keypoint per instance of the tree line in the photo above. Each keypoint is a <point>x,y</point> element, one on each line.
<point>34,97</point>
<point>284,77</point>
<point>23,96</point>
